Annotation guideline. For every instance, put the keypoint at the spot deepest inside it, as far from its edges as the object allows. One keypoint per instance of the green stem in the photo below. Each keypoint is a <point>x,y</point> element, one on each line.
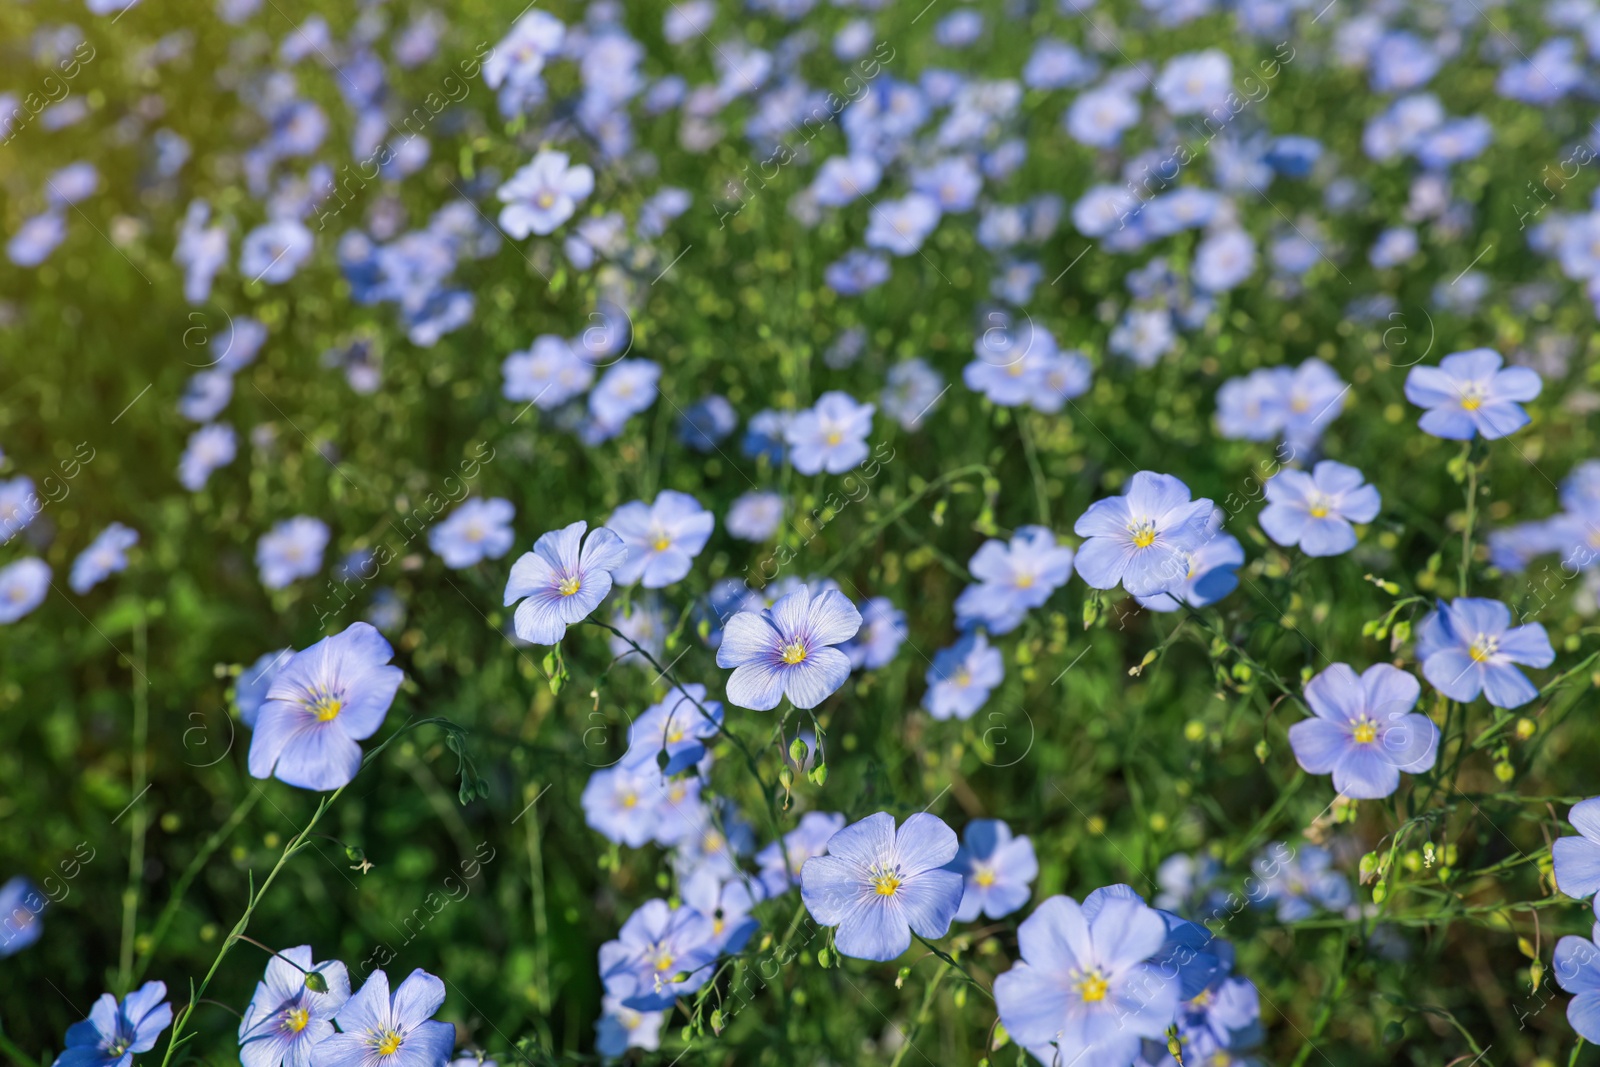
<point>871,533</point>
<point>1466,531</point>
<point>541,923</point>
<point>9,1047</point>
<point>922,1016</point>
<point>1041,492</point>
<point>136,825</point>
<point>951,960</point>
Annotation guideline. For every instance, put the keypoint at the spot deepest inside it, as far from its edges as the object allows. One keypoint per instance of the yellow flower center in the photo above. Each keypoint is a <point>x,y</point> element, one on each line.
<point>834,437</point>
<point>1366,731</point>
<point>1484,647</point>
<point>1300,405</point>
<point>661,543</point>
<point>793,653</point>
<point>1144,533</point>
<point>630,799</point>
<point>1016,369</point>
<point>664,962</point>
<point>1319,511</point>
<point>1471,402</point>
<point>326,707</point>
<point>569,586</point>
<point>474,532</point>
<point>295,1020</point>
<point>886,884</point>
<point>1093,987</point>
<point>963,678</point>
<point>1024,581</point>
<point>984,876</point>
<point>389,1043</point>
<point>546,199</point>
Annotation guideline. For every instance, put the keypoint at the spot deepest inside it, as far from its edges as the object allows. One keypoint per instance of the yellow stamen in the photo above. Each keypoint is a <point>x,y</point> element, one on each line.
<point>1319,511</point>
<point>1481,649</point>
<point>886,884</point>
<point>794,653</point>
<point>664,963</point>
<point>1093,987</point>
<point>1472,403</point>
<point>569,586</point>
<point>630,799</point>
<point>295,1020</point>
<point>1144,537</point>
<point>1366,731</point>
<point>546,199</point>
<point>389,1044</point>
<point>327,707</point>
<point>984,876</point>
<point>835,437</point>
<point>1024,581</point>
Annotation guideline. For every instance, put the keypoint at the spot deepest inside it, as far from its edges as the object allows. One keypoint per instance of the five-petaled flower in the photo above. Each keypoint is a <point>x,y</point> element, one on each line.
<point>787,650</point>
<point>1364,732</point>
<point>559,584</point>
<point>379,1030</point>
<point>1468,647</point>
<point>1142,539</point>
<point>1468,394</point>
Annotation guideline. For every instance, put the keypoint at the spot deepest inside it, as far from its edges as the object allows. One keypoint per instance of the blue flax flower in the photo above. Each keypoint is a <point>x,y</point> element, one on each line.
<point>1142,539</point>
<point>877,885</point>
<point>209,447</point>
<point>20,906</point>
<point>113,1033</point>
<point>999,870</point>
<point>726,903</point>
<point>622,1028</point>
<point>255,682</point>
<point>562,584</point>
<point>1577,970</point>
<point>1316,510</point>
<point>677,726</point>
<point>1468,394</point>
<point>832,436</point>
<point>1300,882</point>
<point>660,952</point>
<point>1364,731</point>
<point>1213,572</point>
<point>286,1017</point>
<point>106,555</point>
<point>625,390</point>
<point>755,516</point>
<point>323,701</point>
<point>380,1030</point>
<point>291,549</point>
<point>1468,647</point>
<point>1087,989</point>
<point>22,587</point>
<point>883,630</point>
<point>962,676</point>
<point>787,650</point>
<point>662,538</point>
<point>475,531</point>
<point>1013,578</point>
<point>1577,859</point>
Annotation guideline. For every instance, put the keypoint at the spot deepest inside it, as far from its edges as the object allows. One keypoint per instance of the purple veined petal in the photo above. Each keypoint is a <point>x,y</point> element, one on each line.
<point>418,997</point>
<point>1528,644</point>
<point>1583,1012</point>
<point>929,901</point>
<point>1389,691</point>
<point>274,727</point>
<point>603,550</point>
<point>1030,1004</point>
<point>1284,523</point>
<point>756,686</point>
<point>368,1009</point>
<point>1499,418</point>
<point>1337,694</point>
<point>538,620</point>
<point>1102,560</point>
<point>1126,932</point>
<point>747,637</point>
<point>829,887</point>
<point>1585,818</point>
<point>832,619</point>
<point>575,608</point>
<point>1449,423</point>
<point>1577,866</point>
<point>267,1048</point>
<point>319,757</point>
<point>1318,744</point>
<point>924,842</point>
<point>1363,773</point>
<point>1506,687</point>
<point>1430,387</point>
<point>1576,965</point>
<point>1157,569</point>
<point>1155,495</point>
<point>560,548</point>
<point>1055,938</point>
<point>530,574</point>
<point>1410,742</point>
<point>875,929</point>
<point>865,843</point>
<point>790,611</point>
<point>819,677</point>
<point>1146,1001</point>
<point>368,702</point>
<point>1104,518</point>
<point>1453,672</point>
